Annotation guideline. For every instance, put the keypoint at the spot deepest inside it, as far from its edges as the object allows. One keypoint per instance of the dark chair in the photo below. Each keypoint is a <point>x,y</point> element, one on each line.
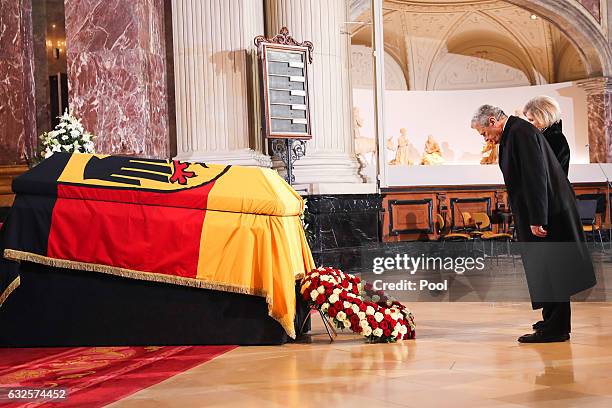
<point>587,210</point>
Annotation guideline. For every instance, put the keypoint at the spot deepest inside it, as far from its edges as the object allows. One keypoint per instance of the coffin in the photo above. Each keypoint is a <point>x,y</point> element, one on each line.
<point>219,229</point>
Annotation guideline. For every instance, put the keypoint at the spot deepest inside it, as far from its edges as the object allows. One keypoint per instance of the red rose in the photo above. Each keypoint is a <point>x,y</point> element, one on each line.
<point>306,295</point>
<point>329,291</point>
<point>387,333</point>
<point>320,299</point>
<point>332,312</point>
<point>384,325</point>
<point>357,328</point>
<point>344,284</point>
<point>338,305</point>
<point>388,318</point>
<point>354,319</point>
<point>362,307</point>
<point>374,325</point>
<point>371,320</point>
<point>349,312</point>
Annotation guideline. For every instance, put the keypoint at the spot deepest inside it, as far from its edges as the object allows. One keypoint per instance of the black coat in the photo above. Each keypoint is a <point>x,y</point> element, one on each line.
<point>539,192</point>
<point>558,143</point>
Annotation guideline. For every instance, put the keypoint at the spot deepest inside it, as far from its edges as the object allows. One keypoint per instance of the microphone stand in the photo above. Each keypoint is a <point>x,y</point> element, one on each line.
<point>607,205</point>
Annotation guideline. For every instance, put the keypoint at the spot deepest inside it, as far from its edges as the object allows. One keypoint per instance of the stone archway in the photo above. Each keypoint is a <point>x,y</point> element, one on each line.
<point>571,18</point>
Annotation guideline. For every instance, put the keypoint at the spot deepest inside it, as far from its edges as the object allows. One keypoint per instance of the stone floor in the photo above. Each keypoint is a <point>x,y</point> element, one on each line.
<point>465,355</point>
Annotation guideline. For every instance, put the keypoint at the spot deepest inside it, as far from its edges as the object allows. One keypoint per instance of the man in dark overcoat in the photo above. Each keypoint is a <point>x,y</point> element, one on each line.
<point>556,260</point>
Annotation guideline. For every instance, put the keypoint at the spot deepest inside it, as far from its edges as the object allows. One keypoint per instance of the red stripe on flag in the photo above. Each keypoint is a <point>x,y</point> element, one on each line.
<point>149,238</point>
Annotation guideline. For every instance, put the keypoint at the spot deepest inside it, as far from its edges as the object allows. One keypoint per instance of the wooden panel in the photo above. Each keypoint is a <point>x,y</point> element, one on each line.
<point>411,216</point>
<point>471,203</point>
<point>7,173</point>
<point>414,220</point>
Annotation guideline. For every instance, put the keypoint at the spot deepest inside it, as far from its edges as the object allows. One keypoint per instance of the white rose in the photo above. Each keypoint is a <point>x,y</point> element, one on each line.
<point>341,316</point>
<point>364,324</point>
<point>377,332</point>
<point>370,310</point>
<point>337,291</point>
<point>379,317</point>
<point>325,307</point>
<point>325,278</point>
<point>48,153</point>
<point>314,294</point>
<point>387,311</point>
<point>355,308</point>
<point>346,323</point>
<point>367,331</point>
<point>403,330</point>
<point>361,315</point>
<point>315,274</point>
<point>346,304</point>
<point>321,289</point>
<point>333,298</point>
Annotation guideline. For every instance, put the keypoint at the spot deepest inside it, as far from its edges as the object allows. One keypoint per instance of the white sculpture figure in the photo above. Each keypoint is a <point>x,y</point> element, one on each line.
<point>365,147</point>
<point>489,154</point>
<point>401,151</point>
<point>432,153</point>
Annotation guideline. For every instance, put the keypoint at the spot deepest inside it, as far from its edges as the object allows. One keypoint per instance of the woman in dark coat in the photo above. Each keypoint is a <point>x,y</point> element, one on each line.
<point>544,113</point>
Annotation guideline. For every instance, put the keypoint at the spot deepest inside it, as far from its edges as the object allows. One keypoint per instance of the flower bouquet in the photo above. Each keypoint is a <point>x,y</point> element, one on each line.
<point>339,296</point>
<point>68,136</point>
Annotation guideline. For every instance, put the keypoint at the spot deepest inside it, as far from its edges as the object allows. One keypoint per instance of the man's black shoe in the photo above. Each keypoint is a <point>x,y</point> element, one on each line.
<point>541,337</point>
<point>538,325</point>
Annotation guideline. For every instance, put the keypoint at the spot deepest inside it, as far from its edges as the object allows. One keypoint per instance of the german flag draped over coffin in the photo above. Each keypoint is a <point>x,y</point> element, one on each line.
<point>219,227</point>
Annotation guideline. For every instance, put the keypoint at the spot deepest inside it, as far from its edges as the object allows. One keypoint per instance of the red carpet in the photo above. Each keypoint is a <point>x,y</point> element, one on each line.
<point>96,376</point>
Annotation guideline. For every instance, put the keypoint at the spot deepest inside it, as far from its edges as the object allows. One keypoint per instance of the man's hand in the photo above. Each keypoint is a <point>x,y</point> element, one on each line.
<point>538,231</point>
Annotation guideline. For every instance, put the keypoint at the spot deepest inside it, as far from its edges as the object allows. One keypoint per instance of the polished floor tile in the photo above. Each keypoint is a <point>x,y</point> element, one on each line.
<point>466,354</point>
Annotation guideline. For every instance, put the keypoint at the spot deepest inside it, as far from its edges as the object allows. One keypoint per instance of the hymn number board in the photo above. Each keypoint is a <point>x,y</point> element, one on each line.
<point>285,86</point>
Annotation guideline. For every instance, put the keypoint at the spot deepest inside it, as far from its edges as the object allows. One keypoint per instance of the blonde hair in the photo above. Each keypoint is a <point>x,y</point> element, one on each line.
<point>544,110</point>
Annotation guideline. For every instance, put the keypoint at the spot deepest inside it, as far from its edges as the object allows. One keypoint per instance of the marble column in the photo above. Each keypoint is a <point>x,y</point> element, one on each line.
<point>214,59</point>
<point>17,106</point>
<point>117,74</point>
<point>330,156</point>
<point>599,110</point>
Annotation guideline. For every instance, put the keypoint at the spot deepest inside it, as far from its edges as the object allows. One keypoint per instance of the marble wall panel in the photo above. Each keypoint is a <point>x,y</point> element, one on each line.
<point>117,74</point>
<point>17,109</point>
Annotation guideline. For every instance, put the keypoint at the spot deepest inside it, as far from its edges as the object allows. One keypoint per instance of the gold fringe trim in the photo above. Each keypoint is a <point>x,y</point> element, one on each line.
<point>7,292</point>
<point>287,322</point>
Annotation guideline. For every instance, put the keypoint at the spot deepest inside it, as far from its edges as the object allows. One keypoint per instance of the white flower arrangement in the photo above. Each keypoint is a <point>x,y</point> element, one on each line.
<point>68,136</point>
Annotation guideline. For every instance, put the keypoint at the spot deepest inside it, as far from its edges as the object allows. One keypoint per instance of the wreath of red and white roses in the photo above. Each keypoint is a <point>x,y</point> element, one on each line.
<point>349,304</point>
